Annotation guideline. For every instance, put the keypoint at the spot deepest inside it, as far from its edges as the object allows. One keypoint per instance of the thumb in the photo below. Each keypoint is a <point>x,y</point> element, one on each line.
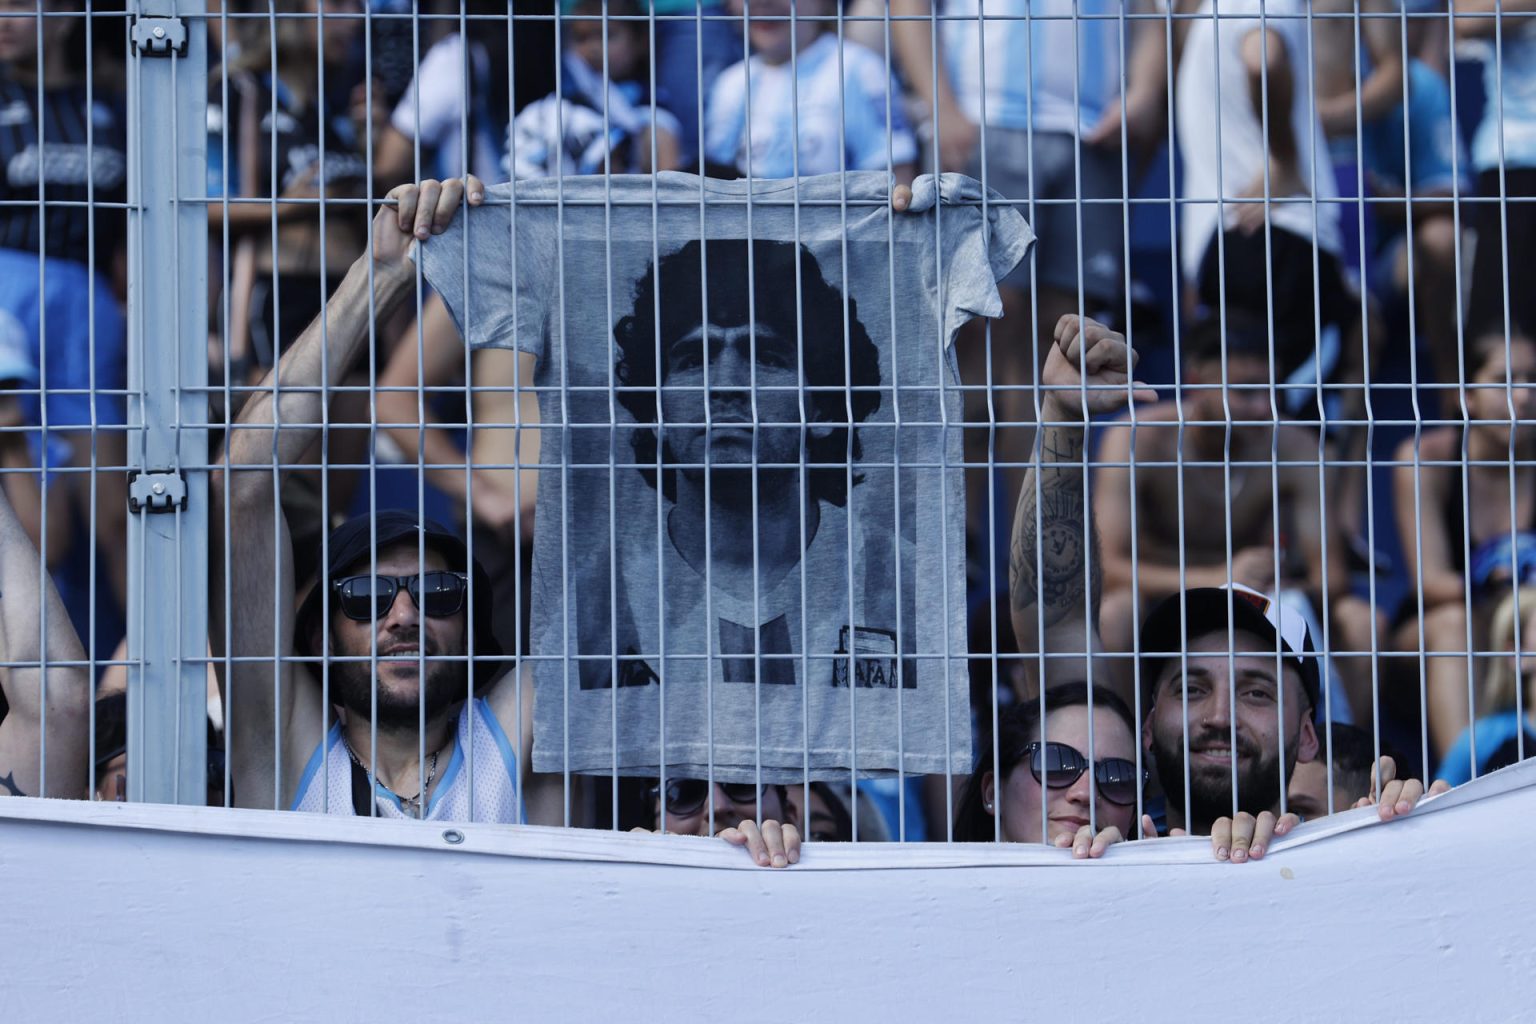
<point>1148,829</point>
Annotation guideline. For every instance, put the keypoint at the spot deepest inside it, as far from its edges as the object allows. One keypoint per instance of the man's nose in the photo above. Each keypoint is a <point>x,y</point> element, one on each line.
<point>1214,708</point>
<point>403,612</point>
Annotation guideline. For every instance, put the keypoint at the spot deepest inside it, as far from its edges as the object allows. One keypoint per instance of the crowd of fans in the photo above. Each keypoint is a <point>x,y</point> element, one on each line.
<point>1342,206</point>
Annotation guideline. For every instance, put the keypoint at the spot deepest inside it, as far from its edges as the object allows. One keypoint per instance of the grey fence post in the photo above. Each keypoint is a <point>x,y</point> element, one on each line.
<point>167,401</point>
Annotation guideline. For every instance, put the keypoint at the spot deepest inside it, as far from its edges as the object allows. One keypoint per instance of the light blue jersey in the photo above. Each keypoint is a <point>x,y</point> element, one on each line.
<point>486,791</point>
<point>1516,94</point>
<point>853,136</point>
<point>1062,56</point>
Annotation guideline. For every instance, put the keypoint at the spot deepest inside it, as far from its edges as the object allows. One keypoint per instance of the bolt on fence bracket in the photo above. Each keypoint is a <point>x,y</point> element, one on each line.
<point>161,490</point>
<point>159,36</point>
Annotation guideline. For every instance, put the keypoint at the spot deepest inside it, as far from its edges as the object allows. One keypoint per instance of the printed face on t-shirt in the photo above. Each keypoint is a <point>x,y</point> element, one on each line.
<point>751,377</point>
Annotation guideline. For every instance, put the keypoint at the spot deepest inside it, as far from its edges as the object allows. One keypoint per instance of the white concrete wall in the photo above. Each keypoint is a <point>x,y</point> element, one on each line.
<point>130,913</point>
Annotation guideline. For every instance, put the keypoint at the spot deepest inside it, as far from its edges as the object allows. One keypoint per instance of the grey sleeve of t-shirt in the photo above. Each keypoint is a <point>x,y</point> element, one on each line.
<point>973,261</point>
<point>500,296</point>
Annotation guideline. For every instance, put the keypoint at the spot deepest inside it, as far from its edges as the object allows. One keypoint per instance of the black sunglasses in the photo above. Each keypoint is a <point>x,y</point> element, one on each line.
<point>1057,766</point>
<point>437,594</point>
<point>686,797</point>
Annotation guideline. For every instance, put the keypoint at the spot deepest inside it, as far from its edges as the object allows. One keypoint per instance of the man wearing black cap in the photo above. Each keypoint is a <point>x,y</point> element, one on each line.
<point>395,636</point>
<point>1198,648</point>
<point>1243,672</point>
<point>390,707</point>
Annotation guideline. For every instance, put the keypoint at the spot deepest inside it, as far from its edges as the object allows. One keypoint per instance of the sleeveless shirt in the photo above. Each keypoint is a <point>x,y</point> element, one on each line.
<point>488,794</point>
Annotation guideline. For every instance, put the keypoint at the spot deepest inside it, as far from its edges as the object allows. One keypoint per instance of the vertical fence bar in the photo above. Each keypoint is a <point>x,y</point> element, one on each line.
<point>167,409</point>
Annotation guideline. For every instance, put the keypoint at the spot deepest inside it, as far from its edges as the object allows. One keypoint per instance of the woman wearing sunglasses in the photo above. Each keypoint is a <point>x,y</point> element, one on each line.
<point>1057,771</point>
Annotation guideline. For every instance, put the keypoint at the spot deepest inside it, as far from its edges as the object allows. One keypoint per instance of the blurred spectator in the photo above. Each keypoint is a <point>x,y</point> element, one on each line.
<point>829,815</point>
<point>1505,731</point>
<point>1454,491</point>
<point>827,819</point>
<point>1248,76</point>
<point>695,41</point>
<point>111,766</point>
<point>63,144</point>
<point>21,450</point>
<point>502,451</point>
<point>1169,486</point>
<point>44,705</point>
<point>1065,779</point>
<point>1044,77</point>
<point>603,119</point>
<point>277,121</point>
<point>1259,228</point>
<point>392,48</point>
<point>505,65</point>
<point>1426,165</point>
<point>1347,775</point>
<point>1504,157</point>
<point>835,96</point>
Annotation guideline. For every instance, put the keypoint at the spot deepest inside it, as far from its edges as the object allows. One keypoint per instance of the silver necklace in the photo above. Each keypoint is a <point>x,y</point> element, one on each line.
<point>410,804</point>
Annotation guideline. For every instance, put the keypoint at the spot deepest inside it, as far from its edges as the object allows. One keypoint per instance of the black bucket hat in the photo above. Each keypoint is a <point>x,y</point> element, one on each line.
<point>350,544</point>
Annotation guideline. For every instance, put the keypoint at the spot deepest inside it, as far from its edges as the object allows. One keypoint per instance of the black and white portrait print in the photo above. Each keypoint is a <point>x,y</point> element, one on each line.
<point>749,557</point>
<point>748,385</point>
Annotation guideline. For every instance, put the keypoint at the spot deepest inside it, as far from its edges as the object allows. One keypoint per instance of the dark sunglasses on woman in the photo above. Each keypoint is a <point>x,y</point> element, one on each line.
<point>687,797</point>
<point>438,594</point>
<point>1057,766</point>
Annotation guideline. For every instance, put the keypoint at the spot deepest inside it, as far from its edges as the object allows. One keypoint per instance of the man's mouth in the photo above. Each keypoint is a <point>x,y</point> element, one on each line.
<point>1213,754</point>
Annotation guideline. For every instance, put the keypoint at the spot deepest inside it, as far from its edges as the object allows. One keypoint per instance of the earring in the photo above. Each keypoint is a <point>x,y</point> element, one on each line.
<point>988,805</point>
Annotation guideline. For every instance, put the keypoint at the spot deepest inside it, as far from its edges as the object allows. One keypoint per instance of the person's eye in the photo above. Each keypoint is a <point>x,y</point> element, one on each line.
<point>685,357</point>
<point>1259,695</point>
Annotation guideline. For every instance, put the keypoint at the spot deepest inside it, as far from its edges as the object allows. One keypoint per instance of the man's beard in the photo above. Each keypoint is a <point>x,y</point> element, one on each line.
<point>1210,791</point>
<point>352,688</point>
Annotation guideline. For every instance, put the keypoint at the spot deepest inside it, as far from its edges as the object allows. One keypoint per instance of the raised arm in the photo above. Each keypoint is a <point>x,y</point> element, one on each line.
<point>1054,572</point>
<point>1478,17</point>
<point>924,72</point>
<point>1382,87</point>
<point>261,698</point>
<point>1269,70</point>
<point>27,597</point>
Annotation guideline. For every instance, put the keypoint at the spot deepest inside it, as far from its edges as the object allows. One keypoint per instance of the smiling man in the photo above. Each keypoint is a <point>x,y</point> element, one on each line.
<point>1245,684</point>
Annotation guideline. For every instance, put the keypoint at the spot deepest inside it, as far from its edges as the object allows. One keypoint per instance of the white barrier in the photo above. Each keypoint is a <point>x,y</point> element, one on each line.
<point>190,914</point>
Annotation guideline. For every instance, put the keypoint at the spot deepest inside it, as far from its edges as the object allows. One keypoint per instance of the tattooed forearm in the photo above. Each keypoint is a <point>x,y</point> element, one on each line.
<point>1054,555</point>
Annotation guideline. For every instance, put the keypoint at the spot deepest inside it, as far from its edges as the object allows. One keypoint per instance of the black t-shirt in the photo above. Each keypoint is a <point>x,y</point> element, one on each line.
<point>77,145</point>
<point>286,130</point>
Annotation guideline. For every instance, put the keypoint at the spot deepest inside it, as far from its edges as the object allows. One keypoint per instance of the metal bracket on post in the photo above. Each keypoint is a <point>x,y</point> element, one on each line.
<point>159,37</point>
<point>159,490</point>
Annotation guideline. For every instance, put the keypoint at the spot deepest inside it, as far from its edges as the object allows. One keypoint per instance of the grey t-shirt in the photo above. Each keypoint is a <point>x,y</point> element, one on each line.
<point>717,552</point>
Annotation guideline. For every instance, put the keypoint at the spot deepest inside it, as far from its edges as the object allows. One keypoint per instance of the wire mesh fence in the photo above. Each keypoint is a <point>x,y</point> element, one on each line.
<point>764,410</point>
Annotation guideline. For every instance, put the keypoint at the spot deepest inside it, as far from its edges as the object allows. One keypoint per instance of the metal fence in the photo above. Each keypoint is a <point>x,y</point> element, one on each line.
<point>745,486</point>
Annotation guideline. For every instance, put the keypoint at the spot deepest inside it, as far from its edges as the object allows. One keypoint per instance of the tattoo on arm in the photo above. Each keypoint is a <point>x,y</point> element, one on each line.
<point>1054,537</point>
